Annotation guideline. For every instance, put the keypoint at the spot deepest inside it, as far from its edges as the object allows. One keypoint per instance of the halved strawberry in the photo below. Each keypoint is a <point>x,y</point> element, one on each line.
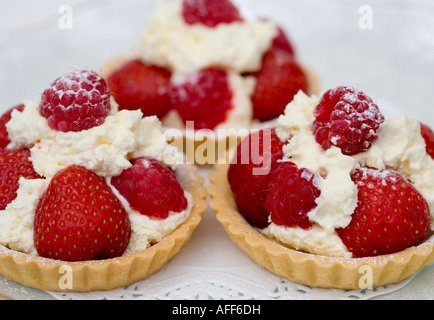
<point>282,42</point>
<point>79,218</point>
<point>249,174</point>
<point>278,81</point>
<point>391,215</point>
<point>140,86</point>
<point>4,119</point>
<point>428,136</point>
<point>14,164</point>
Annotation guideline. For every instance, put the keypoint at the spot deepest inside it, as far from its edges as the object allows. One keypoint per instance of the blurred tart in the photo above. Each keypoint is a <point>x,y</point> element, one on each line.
<point>203,66</point>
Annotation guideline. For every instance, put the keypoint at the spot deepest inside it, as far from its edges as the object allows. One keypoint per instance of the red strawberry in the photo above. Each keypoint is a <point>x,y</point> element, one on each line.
<point>428,136</point>
<point>204,97</point>
<point>4,119</point>
<point>391,214</point>
<point>282,42</point>
<point>151,188</point>
<point>79,218</point>
<point>14,164</point>
<point>291,195</point>
<point>277,83</point>
<point>76,101</point>
<point>210,12</point>
<point>141,86</point>
<point>250,171</point>
<point>348,119</point>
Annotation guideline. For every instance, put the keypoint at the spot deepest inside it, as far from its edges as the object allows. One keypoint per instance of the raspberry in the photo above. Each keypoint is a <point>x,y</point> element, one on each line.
<point>291,195</point>
<point>391,214</point>
<point>210,12</point>
<point>277,83</point>
<point>76,101</point>
<point>247,185</point>
<point>141,86</point>
<point>428,136</point>
<point>14,164</point>
<point>151,188</point>
<point>348,119</point>
<point>4,119</point>
<point>204,97</point>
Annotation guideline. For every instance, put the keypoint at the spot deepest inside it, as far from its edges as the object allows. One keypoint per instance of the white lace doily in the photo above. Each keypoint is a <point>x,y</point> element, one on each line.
<point>244,283</point>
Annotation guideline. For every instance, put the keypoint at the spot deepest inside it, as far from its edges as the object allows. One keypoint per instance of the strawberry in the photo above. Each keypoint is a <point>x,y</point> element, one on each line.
<point>281,41</point>
<point>391,214</point>
<point>79,218</point>
<point>4,119</point>
<point>248,186</point>
<point>151,188</point>
<point>210,12</point>
<point>141,86</point>
<point>428,136</point>
<point>14,164</point>
<point>277,82</point>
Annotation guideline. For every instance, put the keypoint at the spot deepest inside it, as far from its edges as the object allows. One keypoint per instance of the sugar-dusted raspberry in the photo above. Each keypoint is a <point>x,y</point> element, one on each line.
<point>151,188</point>
<point>277,82</point>
<point>347,118</point>
<point>210,12</point>
<point>291,195</point>
<point>137,85</point>
<point>249,177</point>
<point>78,100</point>
<point>204,97</point>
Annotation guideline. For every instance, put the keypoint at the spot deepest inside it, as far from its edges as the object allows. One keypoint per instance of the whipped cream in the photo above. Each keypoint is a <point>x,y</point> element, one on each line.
<point>16,221</point>
<point>171,43</point>
<point>106,150</point>
<point>399,145</point>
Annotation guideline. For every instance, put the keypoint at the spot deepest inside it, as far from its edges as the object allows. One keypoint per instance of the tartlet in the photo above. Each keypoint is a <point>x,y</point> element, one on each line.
<point>93,200</point>
<point>108,274</point>
<point>334,210</point>
<point>180,44</point>
<point>305,268</point>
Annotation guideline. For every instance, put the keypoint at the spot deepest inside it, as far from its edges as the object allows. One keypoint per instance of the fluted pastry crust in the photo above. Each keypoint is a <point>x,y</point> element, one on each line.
<point>305,268</point>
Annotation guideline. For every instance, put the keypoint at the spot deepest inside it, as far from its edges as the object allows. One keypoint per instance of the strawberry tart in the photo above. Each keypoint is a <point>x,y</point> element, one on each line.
<point>202,65</point>
<point>334,190</point>
<point>91,190</point>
